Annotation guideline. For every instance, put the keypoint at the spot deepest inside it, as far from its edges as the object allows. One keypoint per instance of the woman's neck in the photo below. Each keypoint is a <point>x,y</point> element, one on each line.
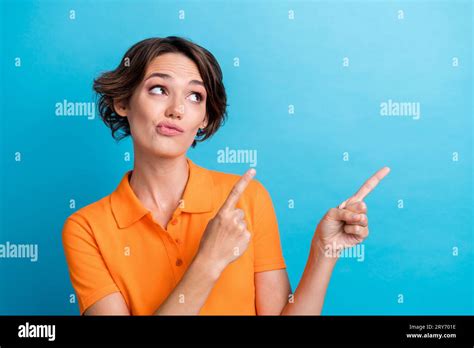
<point>159,182</point>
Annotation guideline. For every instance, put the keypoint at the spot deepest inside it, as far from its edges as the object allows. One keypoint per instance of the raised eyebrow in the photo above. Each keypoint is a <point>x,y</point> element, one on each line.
<point>169,77</point>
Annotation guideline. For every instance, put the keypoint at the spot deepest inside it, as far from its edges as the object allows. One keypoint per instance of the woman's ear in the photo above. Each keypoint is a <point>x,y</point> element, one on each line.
<point>204,123</point>
<point>120,107</point>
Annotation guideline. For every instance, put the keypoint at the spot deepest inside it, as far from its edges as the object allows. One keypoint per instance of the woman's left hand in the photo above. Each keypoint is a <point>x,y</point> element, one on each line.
<point>346,225</point>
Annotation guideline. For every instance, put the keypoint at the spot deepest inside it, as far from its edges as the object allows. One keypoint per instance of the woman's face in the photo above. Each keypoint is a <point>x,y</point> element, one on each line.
<point>173,92</point>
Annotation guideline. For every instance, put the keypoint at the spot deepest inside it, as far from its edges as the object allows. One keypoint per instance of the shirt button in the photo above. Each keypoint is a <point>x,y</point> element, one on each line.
<point>174,222</point>
<point>177,240</point>
<point>179,262</point>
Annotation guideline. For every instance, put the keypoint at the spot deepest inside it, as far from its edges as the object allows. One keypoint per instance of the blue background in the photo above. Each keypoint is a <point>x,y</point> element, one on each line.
<point>300,155</point>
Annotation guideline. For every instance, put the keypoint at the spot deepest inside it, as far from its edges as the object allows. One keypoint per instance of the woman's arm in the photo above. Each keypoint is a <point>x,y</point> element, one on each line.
<point>187,297</point>
<point>273,290</point>
<point>309,296</point>
<point>225,234</point>
<point>192,291</point>
<point>340,228</point>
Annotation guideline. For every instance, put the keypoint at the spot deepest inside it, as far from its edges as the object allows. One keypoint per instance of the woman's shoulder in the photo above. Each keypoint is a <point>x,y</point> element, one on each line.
<point>91,213</point>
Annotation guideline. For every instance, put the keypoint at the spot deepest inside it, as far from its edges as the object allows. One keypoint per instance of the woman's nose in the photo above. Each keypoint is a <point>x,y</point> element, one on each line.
<point>176,110</point>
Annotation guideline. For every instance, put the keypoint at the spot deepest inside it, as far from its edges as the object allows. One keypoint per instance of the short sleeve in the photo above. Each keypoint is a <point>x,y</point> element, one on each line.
<point>267,246</point>
<point>89,275</point>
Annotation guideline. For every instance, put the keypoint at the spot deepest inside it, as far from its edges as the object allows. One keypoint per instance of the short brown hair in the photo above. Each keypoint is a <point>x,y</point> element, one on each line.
<point>121,82</point>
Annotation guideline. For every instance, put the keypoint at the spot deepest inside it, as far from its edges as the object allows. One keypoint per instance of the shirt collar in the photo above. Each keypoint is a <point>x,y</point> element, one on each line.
<point>197,196</point>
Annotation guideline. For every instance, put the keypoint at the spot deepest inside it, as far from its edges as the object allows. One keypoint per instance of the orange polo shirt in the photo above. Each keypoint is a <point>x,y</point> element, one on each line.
<point>114,244</point>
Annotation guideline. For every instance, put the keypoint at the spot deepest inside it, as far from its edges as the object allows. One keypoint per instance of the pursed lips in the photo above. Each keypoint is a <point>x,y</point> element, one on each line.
<point>167,128</point>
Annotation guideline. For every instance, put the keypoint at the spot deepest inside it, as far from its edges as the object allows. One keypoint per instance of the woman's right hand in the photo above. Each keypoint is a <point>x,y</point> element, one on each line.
<point>226,236</point>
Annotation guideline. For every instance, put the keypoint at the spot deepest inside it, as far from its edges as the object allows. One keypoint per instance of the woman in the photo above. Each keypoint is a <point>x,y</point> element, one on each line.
<point>176,238</point>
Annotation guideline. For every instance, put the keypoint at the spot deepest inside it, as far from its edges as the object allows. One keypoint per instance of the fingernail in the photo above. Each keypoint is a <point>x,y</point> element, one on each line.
<point>252,171</point>
<point>355,216</point>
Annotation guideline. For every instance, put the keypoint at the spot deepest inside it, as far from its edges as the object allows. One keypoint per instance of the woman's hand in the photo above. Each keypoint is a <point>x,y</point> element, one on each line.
<point>226,236</point>
<point>346,225</point>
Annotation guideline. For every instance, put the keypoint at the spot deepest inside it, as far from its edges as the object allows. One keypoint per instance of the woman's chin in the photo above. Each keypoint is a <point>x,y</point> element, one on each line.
<point>167,149</point>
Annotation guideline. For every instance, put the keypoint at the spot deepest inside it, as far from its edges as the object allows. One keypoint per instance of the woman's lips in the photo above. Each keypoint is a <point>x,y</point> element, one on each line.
<point>167,131</point>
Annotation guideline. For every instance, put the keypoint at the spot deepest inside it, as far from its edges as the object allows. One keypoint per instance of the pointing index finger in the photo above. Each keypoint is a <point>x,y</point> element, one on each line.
<point>370,184</point>
<point>238,189</point>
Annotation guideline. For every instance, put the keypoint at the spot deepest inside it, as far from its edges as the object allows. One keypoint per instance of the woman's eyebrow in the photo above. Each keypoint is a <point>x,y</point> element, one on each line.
<point>169,77</point>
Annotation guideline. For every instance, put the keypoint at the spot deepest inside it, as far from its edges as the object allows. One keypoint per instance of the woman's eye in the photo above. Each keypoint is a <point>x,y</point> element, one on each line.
<point>199,96</point>
<point>156,88</point>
